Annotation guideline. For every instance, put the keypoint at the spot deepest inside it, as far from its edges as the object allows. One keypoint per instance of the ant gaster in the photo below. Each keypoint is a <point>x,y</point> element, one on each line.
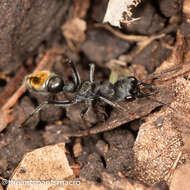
<point>87,91</point>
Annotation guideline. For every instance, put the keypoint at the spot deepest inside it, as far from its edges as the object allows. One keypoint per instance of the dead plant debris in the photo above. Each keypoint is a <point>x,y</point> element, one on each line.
<point>146,146</point>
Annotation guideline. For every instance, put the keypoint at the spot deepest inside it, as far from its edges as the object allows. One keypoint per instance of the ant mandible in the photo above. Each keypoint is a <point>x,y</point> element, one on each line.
<point>87,91</point>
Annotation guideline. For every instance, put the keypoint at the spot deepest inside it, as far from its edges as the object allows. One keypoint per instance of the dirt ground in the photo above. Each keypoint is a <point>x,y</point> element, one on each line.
<point>146,146</point>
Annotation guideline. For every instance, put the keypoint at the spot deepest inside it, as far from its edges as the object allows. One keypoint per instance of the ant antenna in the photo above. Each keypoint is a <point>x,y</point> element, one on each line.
<point>150,86</point>
<point>157,74</point>
<point>165,104</point>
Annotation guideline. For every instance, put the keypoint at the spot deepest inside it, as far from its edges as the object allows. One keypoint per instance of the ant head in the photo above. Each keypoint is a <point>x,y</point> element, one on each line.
<point>44,82</point>
<point>133,86</point>
<point>126,88</point>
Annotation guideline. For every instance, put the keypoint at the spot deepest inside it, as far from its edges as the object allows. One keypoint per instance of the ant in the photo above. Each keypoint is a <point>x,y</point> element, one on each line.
<point>46,82</point>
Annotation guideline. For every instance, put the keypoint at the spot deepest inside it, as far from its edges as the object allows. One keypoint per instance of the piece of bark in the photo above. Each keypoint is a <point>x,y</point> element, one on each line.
<point>25,25</point>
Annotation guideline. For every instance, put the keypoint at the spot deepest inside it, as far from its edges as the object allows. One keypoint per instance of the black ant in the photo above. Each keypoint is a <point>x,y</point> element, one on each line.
<point>87,91</point>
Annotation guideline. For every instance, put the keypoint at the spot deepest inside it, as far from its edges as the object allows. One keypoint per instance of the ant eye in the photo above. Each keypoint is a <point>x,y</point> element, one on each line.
<point>55,84</point>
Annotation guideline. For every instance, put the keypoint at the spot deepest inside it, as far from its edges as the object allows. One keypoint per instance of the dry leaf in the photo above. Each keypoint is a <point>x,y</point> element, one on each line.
<point>74,32</point>
<point>156,148</point>
<point>117,9</point>
<point>47,164</point>
<point>161,138</point>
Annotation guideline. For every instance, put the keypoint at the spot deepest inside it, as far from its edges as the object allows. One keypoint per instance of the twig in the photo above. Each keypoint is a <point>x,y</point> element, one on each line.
<point>142,41</point>
<point>132,38</point>
<point>11,87</point>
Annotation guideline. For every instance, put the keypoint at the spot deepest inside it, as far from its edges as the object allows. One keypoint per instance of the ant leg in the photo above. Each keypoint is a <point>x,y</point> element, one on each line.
<point>54,102</point>
<point>111,103</point>
<point>82,114</point>
<point>149,86</point>
<point>85,110</point>
<point>92,68</point>
<point>76,75</point>
<point>34,112</point>
<point>158,74</point>
<point>64,103</point>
